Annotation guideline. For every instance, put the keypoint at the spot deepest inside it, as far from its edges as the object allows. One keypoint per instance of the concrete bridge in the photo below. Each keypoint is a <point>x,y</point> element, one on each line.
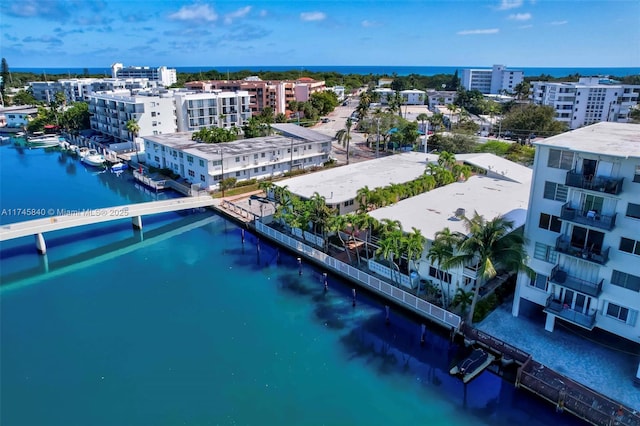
<point>64,218</point>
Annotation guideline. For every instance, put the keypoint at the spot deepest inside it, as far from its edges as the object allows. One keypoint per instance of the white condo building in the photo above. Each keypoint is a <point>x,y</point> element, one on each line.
<point>257,158</point>
<point>195,111</point>
<point>163,75</point>
<point>79,89</point>
<point>159,112</point>
<point>491,80</point>
<point>589,101</point>
<point>583,230</point>
<point>110,112</point>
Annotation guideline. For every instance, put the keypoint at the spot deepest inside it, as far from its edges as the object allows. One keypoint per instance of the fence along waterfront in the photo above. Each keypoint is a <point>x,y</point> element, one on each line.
<point>404,298</point>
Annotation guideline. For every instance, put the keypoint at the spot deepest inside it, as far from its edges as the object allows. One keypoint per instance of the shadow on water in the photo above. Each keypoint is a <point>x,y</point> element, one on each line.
<point>394,347</point>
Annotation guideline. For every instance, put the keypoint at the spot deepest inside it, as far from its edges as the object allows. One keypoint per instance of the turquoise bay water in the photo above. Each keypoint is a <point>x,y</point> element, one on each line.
<point>182,323</point>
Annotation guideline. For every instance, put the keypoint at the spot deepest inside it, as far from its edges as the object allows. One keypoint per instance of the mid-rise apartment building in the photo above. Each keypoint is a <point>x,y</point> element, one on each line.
<point>274,94</point>
<point>153,112</point>
<point>163,75</point>
<point>257,158</point>
<point>491,81</point>
<point>195,111</point>
<point>79,89</point>
<point>166,111</point>
<point>583,230</point>
<point>589,101</point>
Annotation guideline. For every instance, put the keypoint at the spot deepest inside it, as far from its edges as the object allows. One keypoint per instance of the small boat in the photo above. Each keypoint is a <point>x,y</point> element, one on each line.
<point>94,159</point>
<point>73,149</point>
<point>119,167</point>
<point>82,151</point>
<point>472,365</point>
<point>43,140</point>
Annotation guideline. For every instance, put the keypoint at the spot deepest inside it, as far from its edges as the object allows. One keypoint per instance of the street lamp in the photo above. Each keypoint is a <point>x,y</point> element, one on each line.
<point>378,137</point>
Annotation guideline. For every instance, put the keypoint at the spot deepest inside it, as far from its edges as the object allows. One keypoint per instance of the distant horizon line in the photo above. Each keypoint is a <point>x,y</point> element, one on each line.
<point>342,66</point>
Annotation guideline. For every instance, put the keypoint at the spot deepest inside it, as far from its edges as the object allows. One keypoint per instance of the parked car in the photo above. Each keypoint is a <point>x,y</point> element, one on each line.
<point>325,120</point>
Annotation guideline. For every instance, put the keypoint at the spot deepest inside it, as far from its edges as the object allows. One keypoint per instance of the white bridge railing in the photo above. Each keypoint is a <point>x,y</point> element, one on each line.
<point>406,299</point>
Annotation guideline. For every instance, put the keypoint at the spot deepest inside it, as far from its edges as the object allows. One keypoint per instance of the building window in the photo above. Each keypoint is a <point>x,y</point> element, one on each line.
<point>630,246</point>
<point>560,159</point>
<point>626,315</point>
<point>190,158</point>
<point>180,155</point>
<point>555,191</point>
<point>540,281</point>
<point>202,178</point>
<point>545,252</point>
<point>440,275</point>
<point>238,174</point>
<point>633,210</point>
<point>636,175</point>
<point>201,162</point>
<point>157,159</point>
<point>237,159</point>
<point>628,281</point>
<point>192,173</point>
<point>550,222</point>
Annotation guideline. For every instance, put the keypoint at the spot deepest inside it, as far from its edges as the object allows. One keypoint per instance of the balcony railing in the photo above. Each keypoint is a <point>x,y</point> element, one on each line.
<point>561,278</point>
<point>565,312</point>
<point>588,217</point>
<point>563,245</point>
<point>594,183</point>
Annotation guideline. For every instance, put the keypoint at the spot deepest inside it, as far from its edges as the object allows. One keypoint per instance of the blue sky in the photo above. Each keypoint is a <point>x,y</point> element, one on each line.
<point>517,33</point>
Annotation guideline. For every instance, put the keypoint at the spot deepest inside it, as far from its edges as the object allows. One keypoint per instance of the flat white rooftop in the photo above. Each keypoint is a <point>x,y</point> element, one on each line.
<point>614,139</point>
<point>341,184</point>
<point>435,210</point>
<point>182,141</point>
<point>499,166</point>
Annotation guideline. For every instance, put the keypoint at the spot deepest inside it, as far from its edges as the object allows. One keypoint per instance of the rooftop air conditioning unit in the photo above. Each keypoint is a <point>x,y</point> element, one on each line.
<point>460,212</point>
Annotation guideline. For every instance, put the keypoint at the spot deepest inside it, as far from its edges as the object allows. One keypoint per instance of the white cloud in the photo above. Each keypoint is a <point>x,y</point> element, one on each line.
<point>195,12</point>
<point>368,24</point>
<point>559,22</point>
<point>240,13</point>
<point>520,16</point>
<point>263,13</point>
<point>473,32</point>
<point>509,4</point>
<point>313,16</point>
<point>523,27</point>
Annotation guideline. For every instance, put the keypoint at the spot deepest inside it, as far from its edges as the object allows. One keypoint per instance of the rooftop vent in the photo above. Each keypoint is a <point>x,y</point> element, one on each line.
<point>460,212</point>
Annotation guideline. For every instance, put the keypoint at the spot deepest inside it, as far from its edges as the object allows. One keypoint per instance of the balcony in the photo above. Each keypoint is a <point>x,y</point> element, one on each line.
<point>565,312</point>
<point>561,278</point>
<point>588,217</point>
<point>607,185</point>
<point>563,245</point>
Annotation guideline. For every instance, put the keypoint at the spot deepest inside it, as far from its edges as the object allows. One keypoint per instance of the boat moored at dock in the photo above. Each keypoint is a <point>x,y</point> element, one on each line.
<point>472,365</point>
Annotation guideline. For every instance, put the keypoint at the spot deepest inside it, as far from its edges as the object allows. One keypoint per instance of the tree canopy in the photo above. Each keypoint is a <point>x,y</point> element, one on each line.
<point>525,121</point>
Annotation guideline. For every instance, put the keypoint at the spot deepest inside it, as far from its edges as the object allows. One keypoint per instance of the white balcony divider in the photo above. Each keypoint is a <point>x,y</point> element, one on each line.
<point>377,285</point>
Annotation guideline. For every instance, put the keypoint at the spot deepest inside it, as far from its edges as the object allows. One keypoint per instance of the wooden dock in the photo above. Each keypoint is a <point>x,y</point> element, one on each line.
<point>561,391</point>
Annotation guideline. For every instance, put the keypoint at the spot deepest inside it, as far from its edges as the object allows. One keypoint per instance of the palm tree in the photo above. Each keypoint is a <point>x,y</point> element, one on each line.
<point>366,223</point>
<point>493,244</point>
<point>414,247</point>
<point>134,128</point>
<point>446,160</point>
<point>462,299</point>
<point>344,136</point>
<point>441,252</point>
<point>337,224</point>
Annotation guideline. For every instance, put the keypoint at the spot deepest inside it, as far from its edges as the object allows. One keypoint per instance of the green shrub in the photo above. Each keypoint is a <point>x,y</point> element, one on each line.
<point>247,182</point>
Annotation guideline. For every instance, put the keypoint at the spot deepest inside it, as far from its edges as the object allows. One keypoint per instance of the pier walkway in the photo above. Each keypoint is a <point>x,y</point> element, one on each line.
<point>63,218</point>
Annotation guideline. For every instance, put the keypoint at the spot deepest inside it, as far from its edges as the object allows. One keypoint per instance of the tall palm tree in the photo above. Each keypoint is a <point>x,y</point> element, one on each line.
<point>134,128</point>
<point>493,244</point>
<point>344,136</point>
<point>441,252</point>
